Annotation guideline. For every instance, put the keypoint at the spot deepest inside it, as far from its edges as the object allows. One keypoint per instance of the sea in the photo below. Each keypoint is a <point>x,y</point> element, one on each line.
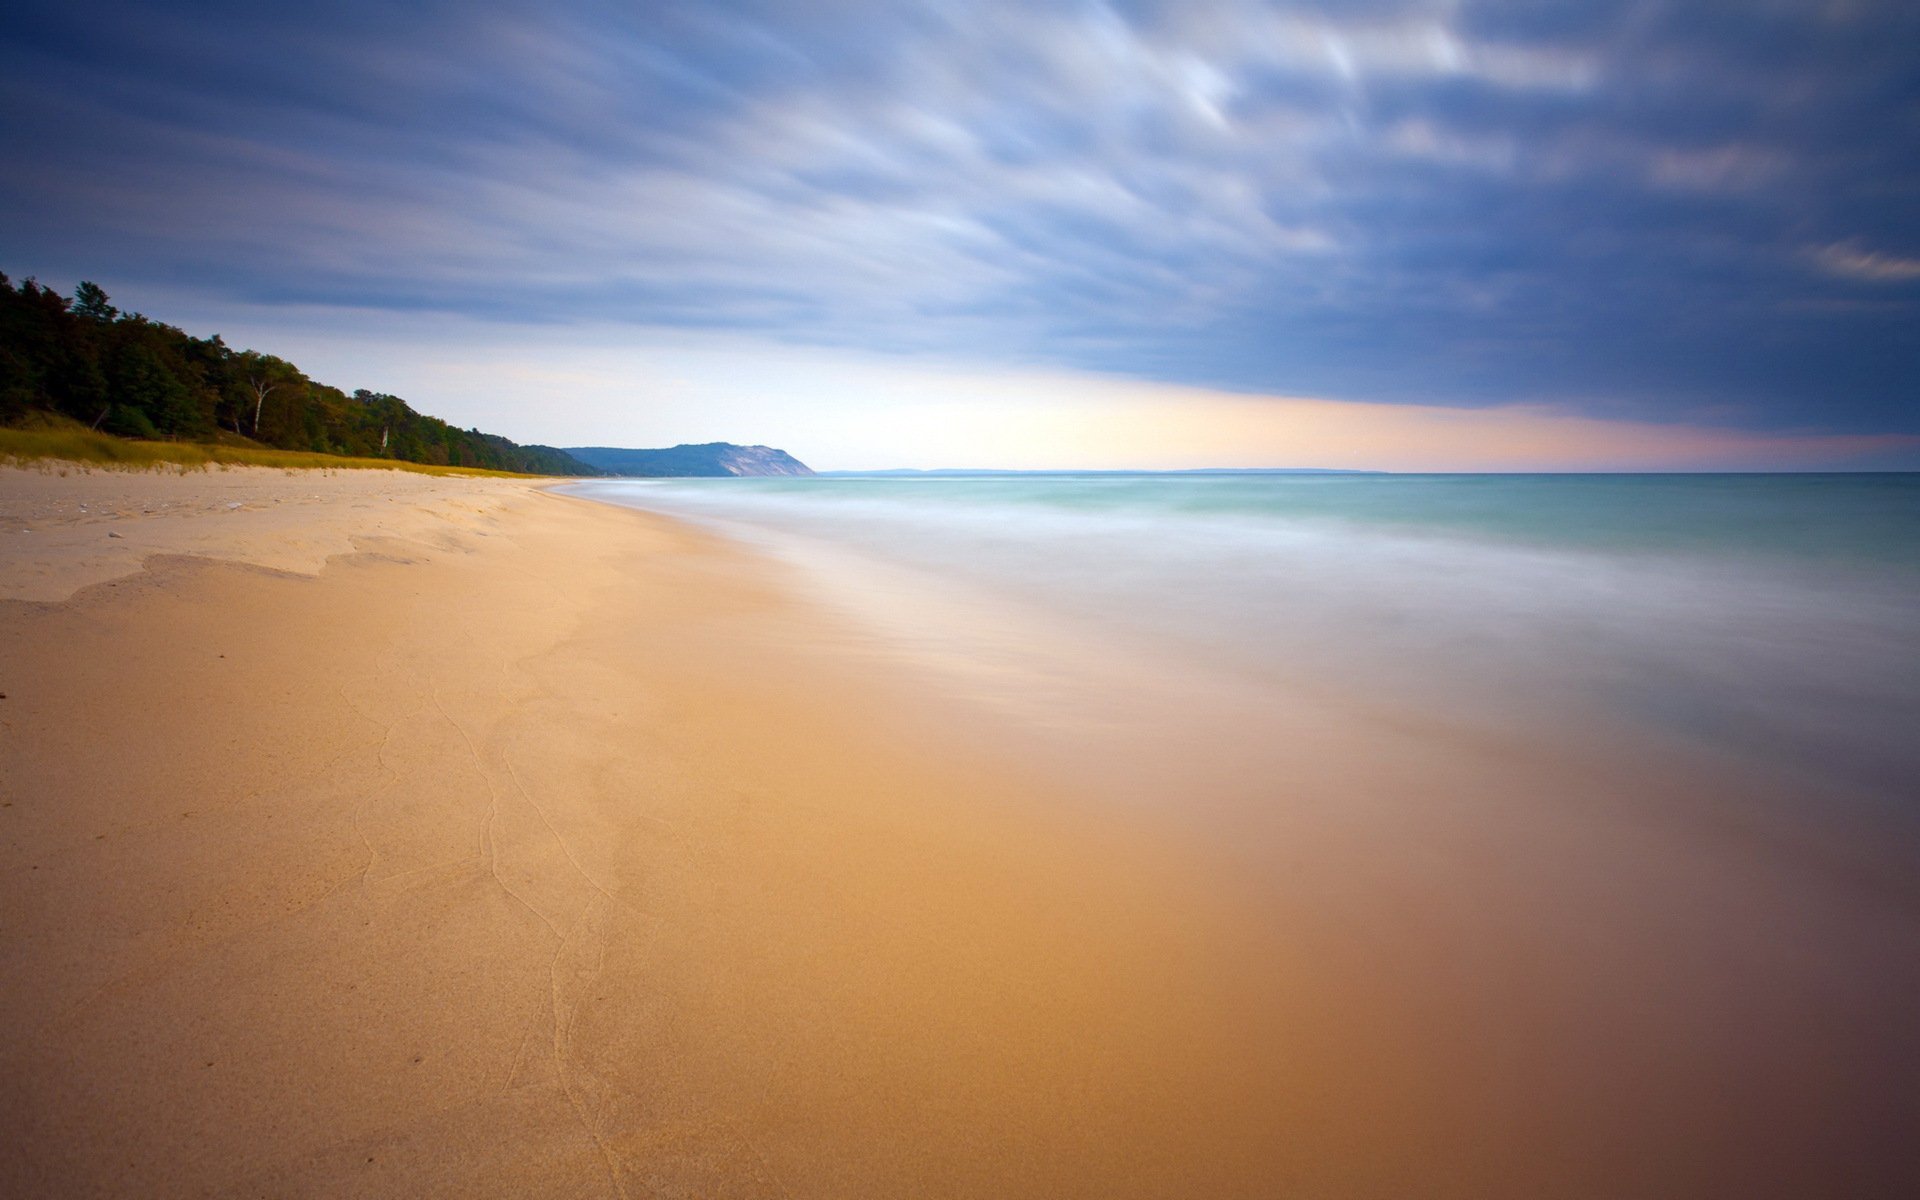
<point>1772,618</point>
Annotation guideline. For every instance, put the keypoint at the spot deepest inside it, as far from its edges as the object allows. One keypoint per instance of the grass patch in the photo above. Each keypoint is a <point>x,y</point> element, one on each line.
<point>71,442</point>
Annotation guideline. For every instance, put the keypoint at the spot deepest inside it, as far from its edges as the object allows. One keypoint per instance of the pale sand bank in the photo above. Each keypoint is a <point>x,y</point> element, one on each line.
<point>535,847</point>
<point>64,526</point>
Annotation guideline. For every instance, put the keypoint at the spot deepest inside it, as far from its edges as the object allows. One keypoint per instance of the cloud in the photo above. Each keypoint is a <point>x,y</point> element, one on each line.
<point>1413,200</point>
<point>1848,261</point>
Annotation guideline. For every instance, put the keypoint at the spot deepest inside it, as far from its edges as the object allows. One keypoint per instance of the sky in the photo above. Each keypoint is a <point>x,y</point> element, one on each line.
<point>1408,234</point>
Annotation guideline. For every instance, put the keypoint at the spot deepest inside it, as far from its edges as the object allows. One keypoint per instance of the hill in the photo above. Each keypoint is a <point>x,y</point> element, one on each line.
<point>708,459</point>
<point>121,373</point>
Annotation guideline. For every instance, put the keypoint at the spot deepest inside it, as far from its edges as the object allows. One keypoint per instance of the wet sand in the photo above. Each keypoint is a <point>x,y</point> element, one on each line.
<point>511,844</point>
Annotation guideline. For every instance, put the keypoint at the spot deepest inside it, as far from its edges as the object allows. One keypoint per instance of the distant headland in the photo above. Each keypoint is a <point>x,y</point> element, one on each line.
<point>709,459</point>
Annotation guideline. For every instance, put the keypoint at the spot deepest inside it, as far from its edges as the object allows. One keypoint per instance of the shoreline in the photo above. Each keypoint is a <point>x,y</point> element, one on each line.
<point>433,849</point>
<point>531,844</point>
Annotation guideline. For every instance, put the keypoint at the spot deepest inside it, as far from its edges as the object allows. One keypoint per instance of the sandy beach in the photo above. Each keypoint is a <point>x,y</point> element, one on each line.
<point>493,858</point>
<point>384,835</point>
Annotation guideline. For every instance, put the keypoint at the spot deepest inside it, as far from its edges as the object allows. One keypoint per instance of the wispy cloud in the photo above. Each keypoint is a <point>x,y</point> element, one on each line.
<point>1415,200</point>
<point>1849,261</point>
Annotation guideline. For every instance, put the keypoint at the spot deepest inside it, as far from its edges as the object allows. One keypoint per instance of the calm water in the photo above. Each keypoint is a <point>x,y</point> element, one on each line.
<point>1770,618</point>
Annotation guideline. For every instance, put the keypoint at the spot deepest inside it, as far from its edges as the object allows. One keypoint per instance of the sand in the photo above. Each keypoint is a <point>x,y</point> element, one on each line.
<point>65,526</point>
<point>389,835</point>
<point>509,854</point>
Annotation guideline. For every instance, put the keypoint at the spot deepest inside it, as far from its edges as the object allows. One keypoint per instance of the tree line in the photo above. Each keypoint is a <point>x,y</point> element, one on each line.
<point>125,374</point>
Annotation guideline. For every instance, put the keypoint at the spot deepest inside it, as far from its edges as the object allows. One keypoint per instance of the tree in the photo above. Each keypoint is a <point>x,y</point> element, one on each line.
<point>262,387</point>
<point>88,361</point>
<point>262,375</point>
<point>90,301</point>
<point>386,415</point>
<point>211,361</point>
<point>142,380</point>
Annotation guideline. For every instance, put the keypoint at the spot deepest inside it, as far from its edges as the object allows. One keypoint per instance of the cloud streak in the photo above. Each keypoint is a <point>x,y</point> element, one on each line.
<point>1410,200</point>
<point>1851,262</point>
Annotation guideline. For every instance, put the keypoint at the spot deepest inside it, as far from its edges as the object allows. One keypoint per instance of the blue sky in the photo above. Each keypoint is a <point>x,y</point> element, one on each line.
<point>1696,214</point>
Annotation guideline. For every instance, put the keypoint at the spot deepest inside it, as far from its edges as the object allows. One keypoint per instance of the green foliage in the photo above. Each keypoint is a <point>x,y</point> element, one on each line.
<point>85,360</point>
<point>46,437</point>
<point>125,420</point>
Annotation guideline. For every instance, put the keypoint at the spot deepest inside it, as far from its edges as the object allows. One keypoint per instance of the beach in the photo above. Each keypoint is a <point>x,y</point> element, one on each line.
<point>375,834</point>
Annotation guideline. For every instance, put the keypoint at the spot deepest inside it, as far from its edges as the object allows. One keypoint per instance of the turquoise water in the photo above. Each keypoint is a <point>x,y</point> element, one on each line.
<point>1774,619</point>
<point>1868,520</point>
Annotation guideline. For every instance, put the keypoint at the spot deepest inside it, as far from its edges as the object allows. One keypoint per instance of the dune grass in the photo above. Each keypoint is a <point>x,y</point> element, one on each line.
<point>71,442</point>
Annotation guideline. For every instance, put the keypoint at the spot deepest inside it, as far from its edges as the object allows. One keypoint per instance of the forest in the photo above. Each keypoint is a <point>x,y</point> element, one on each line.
<point>125,374</point>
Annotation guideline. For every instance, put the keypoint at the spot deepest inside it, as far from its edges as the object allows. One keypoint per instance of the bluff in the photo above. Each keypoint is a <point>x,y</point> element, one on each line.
<point>708,459</point>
